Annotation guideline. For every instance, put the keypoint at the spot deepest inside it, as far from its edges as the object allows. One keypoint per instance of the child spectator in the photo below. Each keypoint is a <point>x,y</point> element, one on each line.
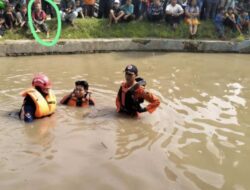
<point>128,9</point>
<point>155,11</point>
<point>230,20</point>
<point>22,17</point>
<point>243,21</point>
<point>192,13</point>
<point>79,9</point>
<point>9,17</point>
<point>219,23</point>
<point>39,17</point>
<point>173,13</point>
<point>89,7</point>
<point>136,5</point>
<point>68,12</point>
<point>115,13</point>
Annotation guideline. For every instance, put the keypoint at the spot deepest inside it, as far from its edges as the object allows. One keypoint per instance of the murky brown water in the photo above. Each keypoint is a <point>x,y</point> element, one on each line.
<point>199,138</point>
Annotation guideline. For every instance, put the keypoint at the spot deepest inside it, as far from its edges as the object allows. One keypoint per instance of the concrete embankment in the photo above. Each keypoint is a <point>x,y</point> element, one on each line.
<point>31,47</point>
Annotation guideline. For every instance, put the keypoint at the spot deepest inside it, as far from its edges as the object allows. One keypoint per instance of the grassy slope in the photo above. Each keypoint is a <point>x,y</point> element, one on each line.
<point>97,28</point>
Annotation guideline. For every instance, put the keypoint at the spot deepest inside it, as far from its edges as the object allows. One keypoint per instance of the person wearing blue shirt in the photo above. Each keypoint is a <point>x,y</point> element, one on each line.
<point>243,21</point>
<point>128,10</point>
<point>218,22</point>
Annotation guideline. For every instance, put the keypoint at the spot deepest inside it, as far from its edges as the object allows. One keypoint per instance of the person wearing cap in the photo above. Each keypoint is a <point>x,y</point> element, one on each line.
<point>132,93</point>
<point>115,14</point>
<point>39,101</point>
<point>80,97</point>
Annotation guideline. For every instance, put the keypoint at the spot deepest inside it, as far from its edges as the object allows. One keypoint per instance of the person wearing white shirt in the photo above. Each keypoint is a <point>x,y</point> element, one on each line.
<point>173,13</point>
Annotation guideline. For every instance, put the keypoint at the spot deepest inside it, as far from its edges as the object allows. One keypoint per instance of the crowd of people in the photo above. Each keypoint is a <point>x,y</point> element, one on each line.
<point>233,14</point>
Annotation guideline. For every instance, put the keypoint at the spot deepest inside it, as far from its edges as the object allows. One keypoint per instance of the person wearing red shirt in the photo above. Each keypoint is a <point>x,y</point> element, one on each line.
<point>39,17</point>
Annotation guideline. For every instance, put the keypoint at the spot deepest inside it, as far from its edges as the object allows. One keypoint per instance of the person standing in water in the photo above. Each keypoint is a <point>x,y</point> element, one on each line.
<point>80,97</point>
<point>132,94</point>
<point>39,101</point>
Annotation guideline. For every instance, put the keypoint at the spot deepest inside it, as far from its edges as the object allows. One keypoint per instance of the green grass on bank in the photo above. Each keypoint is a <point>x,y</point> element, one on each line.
<point>98,28</point>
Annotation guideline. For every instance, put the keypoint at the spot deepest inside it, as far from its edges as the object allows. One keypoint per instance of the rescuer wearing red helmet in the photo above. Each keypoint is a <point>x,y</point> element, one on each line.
<point>39,101</point>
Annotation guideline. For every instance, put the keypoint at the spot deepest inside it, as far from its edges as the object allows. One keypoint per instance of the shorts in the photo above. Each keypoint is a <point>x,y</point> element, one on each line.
<point>192,21</point>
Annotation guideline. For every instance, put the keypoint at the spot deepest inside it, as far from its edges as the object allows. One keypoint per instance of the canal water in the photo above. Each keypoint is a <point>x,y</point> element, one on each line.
<point>199,137</point>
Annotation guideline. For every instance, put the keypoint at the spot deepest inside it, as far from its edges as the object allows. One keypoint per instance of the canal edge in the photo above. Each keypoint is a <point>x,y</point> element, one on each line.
<point>70,46</point>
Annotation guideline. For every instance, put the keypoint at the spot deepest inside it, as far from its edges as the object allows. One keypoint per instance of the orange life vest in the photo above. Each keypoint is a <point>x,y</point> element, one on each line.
<point>128,102</point>
<point>44,106</point>
<point>71,100</point>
